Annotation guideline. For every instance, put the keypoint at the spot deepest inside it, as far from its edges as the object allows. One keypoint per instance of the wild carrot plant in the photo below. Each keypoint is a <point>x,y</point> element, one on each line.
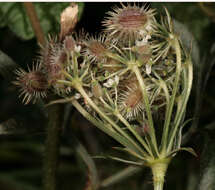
<point>132,81</point>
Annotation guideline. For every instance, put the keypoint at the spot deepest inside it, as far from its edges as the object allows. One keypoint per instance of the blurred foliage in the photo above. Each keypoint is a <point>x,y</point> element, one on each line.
<point>189,14</point>
<point>14,16</point>
<point>23,128</point>
<point>208,164</point>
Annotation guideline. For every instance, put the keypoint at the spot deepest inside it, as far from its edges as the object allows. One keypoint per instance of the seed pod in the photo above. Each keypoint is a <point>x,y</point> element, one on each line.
<point>33,84</point>
<point>129,22</point>
<point>96,48</point>
<point>130,98</point>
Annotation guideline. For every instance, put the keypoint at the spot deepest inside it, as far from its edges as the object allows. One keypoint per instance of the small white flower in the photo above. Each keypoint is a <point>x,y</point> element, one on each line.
<point>68,89</point>
<point>109,83</point>
<point>77,96</point>
<point>112,82</point>
<point>143,42</point>
<point>171,36</point>
<point>149,27</point>
<point>142,32</point>
<point>148,37</point>
<point>148,69</point>
<point>77,49</point>
<point>117,79</point>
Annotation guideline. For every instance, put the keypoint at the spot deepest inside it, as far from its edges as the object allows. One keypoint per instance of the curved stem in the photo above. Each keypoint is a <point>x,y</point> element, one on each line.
<point>147,107</point>
<point>99,124</point>
<point>172,100</point>
<point>94,106</point>
<point>183,106</point>
<point>138,137</point>
<point>129,127</point>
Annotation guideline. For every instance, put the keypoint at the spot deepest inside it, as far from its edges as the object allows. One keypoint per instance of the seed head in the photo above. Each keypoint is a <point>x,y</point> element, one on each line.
<point>129,22</point>
<point>54,59</point>
<point>96,48</point>
<point>33,84</point>
<point>130,99</point>
<point>69,43</point>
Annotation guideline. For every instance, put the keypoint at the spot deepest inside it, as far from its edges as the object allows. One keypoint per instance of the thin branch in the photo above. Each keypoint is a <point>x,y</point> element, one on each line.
<point>31,12</point>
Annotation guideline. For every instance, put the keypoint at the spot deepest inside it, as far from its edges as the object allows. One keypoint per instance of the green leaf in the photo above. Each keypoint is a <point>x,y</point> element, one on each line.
<point>188,13</point>
<point>14,16</point>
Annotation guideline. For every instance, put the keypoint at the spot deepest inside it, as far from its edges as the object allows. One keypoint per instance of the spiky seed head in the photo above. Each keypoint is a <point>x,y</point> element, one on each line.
<point>130,98</point>
<point>54,73</point>
<point>129,22</point>
<point>54,59</point>
<point>69,43</point>
<point>33,84</point>
<point>96,48</point>
<point>52,53</point>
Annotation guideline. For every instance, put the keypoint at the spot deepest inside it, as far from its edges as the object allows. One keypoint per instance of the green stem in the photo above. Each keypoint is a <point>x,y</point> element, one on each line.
<point>138,137</point>
<point>147,107</point>
<point>52,147</point>
<point>99,124</point>
<point>172,100</point>
<point>159,168</point>
<point>94,106</point>
<point>183,106</point>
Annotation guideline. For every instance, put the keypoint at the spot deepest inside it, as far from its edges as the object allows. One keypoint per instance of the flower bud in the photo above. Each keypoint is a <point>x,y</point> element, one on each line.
<point>69,18</point>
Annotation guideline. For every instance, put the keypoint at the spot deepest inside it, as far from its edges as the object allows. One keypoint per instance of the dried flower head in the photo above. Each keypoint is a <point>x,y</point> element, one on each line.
<point>33,84</point>
<point>69,18</point>
<point>130,102</point>
<point>130,99</point>
<point>130,22</point>
<point>54,58</point>
<point>96,48</point>
<point>69,43</point>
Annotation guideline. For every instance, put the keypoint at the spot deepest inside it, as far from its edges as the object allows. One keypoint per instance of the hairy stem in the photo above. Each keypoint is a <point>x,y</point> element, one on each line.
<point>52,147</point>
<point>30,10</point>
